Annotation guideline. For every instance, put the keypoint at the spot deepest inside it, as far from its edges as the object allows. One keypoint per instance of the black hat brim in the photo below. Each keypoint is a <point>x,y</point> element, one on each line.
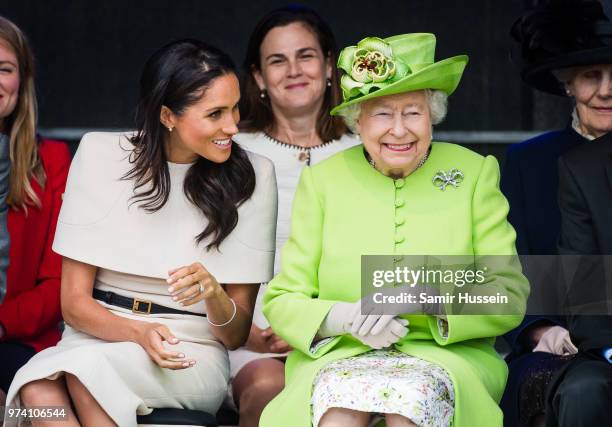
<point>540,75</point>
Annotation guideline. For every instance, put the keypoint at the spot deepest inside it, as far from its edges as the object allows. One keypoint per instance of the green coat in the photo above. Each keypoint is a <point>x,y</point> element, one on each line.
<point>343,209</point>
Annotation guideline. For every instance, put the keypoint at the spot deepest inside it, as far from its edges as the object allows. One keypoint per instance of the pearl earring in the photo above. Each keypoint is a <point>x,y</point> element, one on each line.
<point>568,92</point>
<point>328,82</point>
<point>262,94</point>
<point>170,128</point>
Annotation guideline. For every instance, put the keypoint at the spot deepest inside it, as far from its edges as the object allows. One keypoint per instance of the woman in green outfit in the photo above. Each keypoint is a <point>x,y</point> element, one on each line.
<point>397,194</point>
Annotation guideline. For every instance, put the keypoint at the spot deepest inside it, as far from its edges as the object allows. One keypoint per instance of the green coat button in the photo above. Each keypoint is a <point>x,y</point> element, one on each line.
<point>399,203</point>
<point>399,239</point>
<point>399,221</point>
<point>399,183</point>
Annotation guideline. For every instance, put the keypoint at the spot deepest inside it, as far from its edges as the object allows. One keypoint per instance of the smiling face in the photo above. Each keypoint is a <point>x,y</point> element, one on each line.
<point>396,131</point>
<point>591,86</point>
<point>205,128</point>
<point>9,82</point>
<point>294,70</point>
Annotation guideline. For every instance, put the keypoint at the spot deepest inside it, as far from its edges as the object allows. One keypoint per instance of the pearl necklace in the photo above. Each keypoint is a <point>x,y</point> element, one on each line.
<point>421,162</point>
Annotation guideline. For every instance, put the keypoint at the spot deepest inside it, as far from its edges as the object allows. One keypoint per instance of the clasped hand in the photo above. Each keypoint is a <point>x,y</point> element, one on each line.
<point>374,330</point>
<point>266,341</point>
<point>556,340</point>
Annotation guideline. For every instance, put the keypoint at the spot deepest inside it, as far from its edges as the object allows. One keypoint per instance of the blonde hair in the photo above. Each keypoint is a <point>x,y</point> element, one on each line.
<point>21,125</point>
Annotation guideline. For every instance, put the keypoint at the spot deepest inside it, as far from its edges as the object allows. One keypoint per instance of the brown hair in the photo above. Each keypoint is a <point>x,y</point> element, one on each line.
<point>20,125</point>
<point>256,111</point>
<point>177,76</point>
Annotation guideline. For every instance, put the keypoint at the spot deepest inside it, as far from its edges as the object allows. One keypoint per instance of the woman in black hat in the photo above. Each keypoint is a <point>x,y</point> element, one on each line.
<point>566,50</point>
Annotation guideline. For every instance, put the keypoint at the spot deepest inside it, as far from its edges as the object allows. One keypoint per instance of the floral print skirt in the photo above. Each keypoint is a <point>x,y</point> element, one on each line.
<point>386,382</point>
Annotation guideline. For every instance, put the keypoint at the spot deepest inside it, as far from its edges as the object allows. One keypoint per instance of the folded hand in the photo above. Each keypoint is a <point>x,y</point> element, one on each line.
<point>556,340</point>
<point>375,330</point>
<point>266,341</point>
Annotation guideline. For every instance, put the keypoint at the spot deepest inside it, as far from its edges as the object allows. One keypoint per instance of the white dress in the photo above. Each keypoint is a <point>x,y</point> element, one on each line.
<point>385,381</point>
<point>289,161</point>
<point>133,251</point>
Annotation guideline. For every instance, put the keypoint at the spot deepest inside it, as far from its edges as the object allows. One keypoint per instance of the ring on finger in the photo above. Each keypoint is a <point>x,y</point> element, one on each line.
<point>200,287</point>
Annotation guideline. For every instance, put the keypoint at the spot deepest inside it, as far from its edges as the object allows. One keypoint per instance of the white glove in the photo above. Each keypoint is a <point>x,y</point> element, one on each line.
<point>394,331</point>
<point>556,340</point>
<point>375,330</point>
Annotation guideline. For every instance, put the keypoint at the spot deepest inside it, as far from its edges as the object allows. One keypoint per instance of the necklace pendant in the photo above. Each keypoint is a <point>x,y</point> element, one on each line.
<point>304,156</point>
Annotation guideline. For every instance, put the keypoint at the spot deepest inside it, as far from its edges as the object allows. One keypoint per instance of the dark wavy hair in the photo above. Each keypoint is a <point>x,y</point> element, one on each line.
<point>256,111</point>
<point>177,76</point>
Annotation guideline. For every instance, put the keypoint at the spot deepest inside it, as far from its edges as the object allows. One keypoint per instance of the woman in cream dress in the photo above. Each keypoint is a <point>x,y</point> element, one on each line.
<point>151,225</point>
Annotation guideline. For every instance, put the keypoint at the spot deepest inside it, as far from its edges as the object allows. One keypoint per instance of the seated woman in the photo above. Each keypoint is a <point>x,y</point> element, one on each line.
<point>383,197</point>
<point>579,67</point>
<point>290,86</point>
<point>151,226</point>
<point>37,170</point>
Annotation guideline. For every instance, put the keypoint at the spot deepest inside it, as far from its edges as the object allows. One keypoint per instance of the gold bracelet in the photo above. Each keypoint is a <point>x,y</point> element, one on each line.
<point>229,321</point>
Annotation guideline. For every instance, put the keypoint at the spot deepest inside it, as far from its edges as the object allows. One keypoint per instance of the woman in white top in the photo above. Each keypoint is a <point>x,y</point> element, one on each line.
<point>290,85</point>
<point>151,225</point>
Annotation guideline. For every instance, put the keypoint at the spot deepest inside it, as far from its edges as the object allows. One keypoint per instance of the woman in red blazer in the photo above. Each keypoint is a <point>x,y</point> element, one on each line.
<point>30,308</point>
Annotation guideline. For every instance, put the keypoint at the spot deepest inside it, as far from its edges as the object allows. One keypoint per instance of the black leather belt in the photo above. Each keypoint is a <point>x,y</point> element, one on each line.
<point>138,306</point>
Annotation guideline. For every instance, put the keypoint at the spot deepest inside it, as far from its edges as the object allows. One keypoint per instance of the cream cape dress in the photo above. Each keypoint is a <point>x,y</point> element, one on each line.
<point>134,251</point>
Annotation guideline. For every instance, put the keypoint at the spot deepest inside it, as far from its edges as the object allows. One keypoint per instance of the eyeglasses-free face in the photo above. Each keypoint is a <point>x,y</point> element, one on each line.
<point>205,128</point>
<point>294,69</point>
<point>9,81</point>
<point>396,131</point>
<point>591,87</point>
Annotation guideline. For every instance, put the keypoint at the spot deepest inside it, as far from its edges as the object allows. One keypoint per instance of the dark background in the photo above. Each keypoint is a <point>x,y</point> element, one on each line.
<point>89,55</point>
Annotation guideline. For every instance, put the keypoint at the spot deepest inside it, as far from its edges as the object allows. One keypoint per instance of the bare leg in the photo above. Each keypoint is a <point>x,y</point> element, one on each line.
<point>342,417</point>
<point>49,393</point>
<point>255,385</point>
<point>88,409</point>
<point>395,420</point>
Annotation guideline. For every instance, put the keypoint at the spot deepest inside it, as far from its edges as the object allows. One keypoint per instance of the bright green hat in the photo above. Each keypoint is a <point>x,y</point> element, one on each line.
<point>378,67</point>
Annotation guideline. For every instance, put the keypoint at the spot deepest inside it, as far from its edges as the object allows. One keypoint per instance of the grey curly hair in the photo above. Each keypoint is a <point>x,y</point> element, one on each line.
<point>438,106</point>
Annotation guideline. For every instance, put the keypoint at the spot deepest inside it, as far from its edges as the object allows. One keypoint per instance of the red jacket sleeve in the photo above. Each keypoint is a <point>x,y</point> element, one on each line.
<point>37,308</point>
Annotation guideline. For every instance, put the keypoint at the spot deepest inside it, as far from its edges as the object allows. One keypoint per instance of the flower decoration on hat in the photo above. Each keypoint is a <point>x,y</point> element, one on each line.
<point>369,66</point>
<point>398,64</point>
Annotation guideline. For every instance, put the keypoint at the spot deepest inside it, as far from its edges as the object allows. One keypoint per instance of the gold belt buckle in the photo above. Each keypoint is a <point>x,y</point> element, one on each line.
<point>136,306</point>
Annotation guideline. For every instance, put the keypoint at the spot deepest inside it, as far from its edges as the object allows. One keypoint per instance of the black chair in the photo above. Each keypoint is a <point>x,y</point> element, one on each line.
<point>227,416</point>
<point>177,417</point>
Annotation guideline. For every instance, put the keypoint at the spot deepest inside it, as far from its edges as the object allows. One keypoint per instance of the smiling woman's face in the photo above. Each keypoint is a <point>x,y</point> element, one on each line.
<point>294,70</point>
<point>396,131</point>
<point>205,128</point>
<point>9,81</point>
<point>591,86</point>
